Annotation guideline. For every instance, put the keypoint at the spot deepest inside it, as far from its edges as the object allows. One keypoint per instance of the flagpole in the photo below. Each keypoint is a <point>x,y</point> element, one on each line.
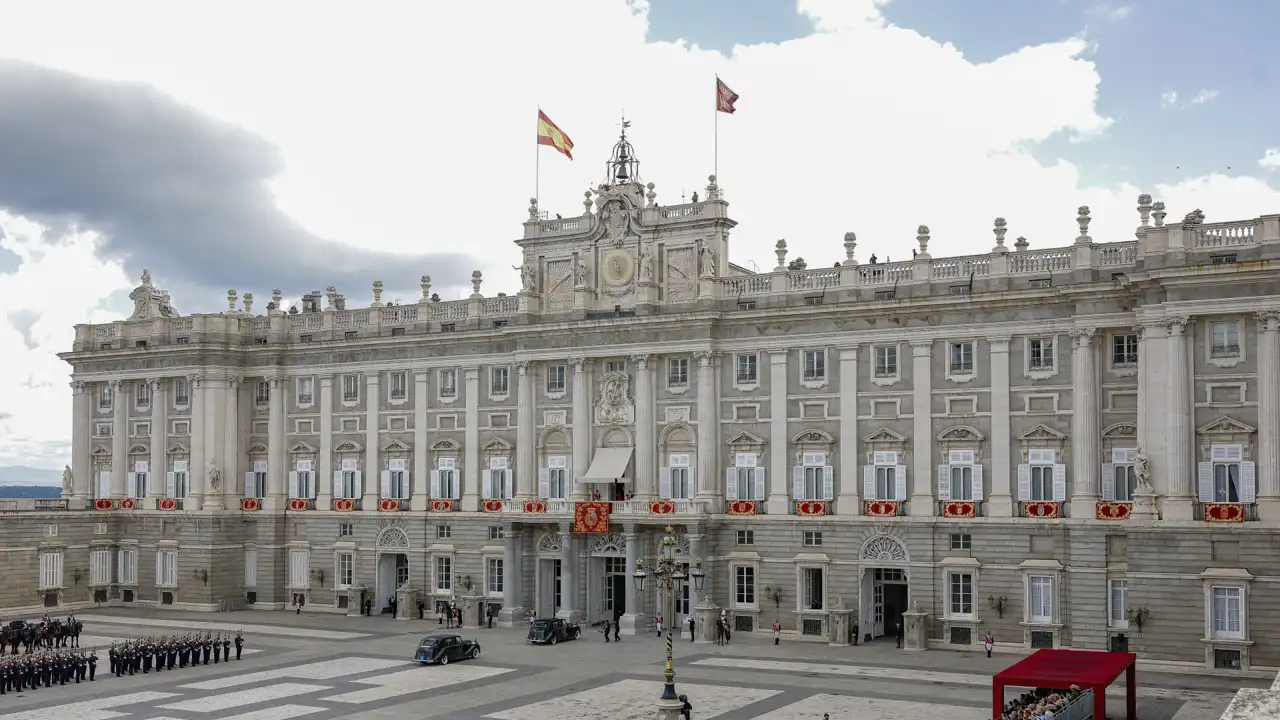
<point>537,162</point>
<point>715,160</point>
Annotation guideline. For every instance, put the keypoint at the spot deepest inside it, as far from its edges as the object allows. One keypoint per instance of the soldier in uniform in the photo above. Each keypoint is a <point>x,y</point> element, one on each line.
<point>182,652</point>
<point>146,650</point>
<point>207,648</point>
<point>226,648</point>
<point>114,657</point>
<point>173,652</point>
<point>217,648</point>
<point>239,643</point>
<point>93,663</point>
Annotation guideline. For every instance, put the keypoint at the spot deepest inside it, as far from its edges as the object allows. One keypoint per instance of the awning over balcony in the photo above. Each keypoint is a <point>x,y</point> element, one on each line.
<point>608,465</point>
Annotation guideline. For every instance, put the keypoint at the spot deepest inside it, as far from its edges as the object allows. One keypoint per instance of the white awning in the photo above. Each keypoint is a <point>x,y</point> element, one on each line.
<point>608,465</point>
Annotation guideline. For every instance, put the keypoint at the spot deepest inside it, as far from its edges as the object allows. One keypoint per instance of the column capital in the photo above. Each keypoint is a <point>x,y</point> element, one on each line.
<point>1176,326</point>
<point>276,381</point>
<point>234,382</point>
<point>1268,320</point>
<point>115,385</point>
<point>921,348</point>
<point>372,378</point>
<point>999,344</point>
<point>578,362</point>
<point>153,383</point>
<point>848,354</point>
<point>522,368</point>
<point>641,360</point>
<point>79,387</point>
<point>1083,337</point>
<point>704,357</point>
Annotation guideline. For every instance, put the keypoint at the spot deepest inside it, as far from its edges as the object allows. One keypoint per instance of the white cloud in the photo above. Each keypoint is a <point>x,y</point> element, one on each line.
<point>416,130</point>
<point>1109,12</point>
<point>1270,159</point>
<point>1168,99</point>
<point>1204,96</point>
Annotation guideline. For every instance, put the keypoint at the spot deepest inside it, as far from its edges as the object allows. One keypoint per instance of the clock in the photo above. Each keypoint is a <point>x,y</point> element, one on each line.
<point>617,268</point>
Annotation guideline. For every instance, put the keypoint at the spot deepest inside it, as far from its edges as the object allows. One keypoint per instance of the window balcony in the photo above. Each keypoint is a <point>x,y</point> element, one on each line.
<point>1225,512</point>
<point>884,508</point>
<point>443,505</point>
<point>812,508</point>
<point>1113,510</point>
<point>393,505</point>
<point>346,504</point>
<point>169,504</point>
<point>301,504</point>
<point>960,509</point>
<point>1042,509</point>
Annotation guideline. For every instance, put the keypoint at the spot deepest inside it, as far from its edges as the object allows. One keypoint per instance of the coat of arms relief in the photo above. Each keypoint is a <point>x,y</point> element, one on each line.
<point>614,403</point>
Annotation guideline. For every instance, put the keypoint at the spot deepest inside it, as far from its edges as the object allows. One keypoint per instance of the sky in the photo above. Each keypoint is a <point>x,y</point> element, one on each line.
<point>296,145</point>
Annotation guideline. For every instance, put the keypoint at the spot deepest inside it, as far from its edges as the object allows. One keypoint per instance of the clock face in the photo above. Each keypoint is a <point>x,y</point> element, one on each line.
<point>617,267</point>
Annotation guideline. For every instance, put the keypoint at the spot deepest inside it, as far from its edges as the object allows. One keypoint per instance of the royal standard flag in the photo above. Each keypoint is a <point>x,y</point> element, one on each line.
<point>549,134</point>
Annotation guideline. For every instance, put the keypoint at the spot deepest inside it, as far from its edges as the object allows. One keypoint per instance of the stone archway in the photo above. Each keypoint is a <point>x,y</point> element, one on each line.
<point>391,565</point>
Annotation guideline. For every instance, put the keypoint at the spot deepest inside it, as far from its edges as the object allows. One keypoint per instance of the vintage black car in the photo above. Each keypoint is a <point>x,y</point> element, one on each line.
<point>442,648</point>
<point>551,631</point>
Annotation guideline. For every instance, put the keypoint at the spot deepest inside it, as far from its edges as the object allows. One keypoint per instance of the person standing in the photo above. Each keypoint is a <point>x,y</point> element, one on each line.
<point>606,631</point>
<point>989,642</point>
<point>617,626</point>
<point>659,624</point>
<point>422,608</point>
<point>691,627</point>
<point>897,626</point>
<point>239,643</point>
<point>777,632</point>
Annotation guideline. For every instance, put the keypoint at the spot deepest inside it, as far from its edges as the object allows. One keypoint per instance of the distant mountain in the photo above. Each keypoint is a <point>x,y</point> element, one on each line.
<point>23,475</point>
<point>29,491</point>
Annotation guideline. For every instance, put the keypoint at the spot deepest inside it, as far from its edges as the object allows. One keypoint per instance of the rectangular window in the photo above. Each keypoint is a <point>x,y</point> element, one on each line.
<point>1124,351</point>
<point>259,481</point>
<point>50,570</point>
<point>144,394</point>
<point>746,537</point>
<point>555,378</point>
<point>306,390</point>
<point>746,369</point>
<point>1040,599</point>
<point>814,476</point>
<point>497,532</point>
<point>677,372</point>
<point>886,475</point>
<point>961,541</point>
<point>499,479</point>
<point>448,383</point>
<point>1226,472</point>
<point>1041,467</point>
<point>181,397</point>
<point>493,576</point>
<point>886,358</point>
<point>498,381</point>
<point>127,560</point>
<point>262,393</point>
<point>747,476</point>
<point>251,568</point>
<point>399,386</point>
<point>961,469</point>
<point>615,366</point>
<point>349,488</point>
<point>181,483</point>
<point>350,388</point>
<point>448,483</point>
<point>299,569</point>
<point>398,481</point>
<point>346,529</point>
<point>167,568</point>
<point>960,595</point>
<point>105,396</point>
<point>100,567</point>
<point>678,477</point>
<point>141,480</point>
<point>444,532</point>
<point>305,487</point>
<point>346,570</point>
<point>1228,612</point>
<point>1040,354</point>
<point>744,585</point>
<point>1124,478</point>
<point>1117,603</point>
<point>444,574</point>
<point>557,477</point>
<point>1225,339</point>
<point>812,538</point>
<point>815,365</point>
<point>961,358</point>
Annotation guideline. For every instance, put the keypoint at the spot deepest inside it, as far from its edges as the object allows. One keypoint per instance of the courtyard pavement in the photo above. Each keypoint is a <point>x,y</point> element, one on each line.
<point>322,667</point>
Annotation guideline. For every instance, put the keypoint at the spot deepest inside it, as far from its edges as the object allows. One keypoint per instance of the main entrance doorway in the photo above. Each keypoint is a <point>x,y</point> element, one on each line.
<point>548,587</point>
<point>609,588</point>
<point>393,572</point>
<point>885,599</point>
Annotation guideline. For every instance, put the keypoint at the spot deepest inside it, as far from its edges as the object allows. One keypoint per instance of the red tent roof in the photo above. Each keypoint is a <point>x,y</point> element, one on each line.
<point>1059,669</point>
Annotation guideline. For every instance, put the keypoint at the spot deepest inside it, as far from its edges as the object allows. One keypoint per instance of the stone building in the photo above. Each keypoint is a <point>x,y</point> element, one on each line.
<point>1073,446</point>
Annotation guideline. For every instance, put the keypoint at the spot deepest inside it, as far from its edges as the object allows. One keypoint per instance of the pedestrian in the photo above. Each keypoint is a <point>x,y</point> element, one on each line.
<point>422,608</point>
<point>777,632</point>
<point>659,624</point>
<point>606,631</point>
<point>239,645</point>
<point>617,626</point>
<point>989,642</point>
<point>898,629</point>
<point>691,626</point>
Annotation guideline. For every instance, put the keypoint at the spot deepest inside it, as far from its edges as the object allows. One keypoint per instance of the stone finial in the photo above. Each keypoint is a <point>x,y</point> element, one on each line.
<point>586,203</point>
<point>1021,244</point>
<point>922,237</point>
<point>277,297</point>
<point>248,302</point>
<point>780,249</point>
<point>533,208</point>
<point>146,278</point>
<point>1000,227</point>
<point>1193,218</point>
<point>231,300</point>
<point>1157,212</point>
<point>850,245</point>
<point>331,295</point>
<point>652,195</point>
<point>1144,209</point>
<point>1083,220</point>
<point>713,190</point>
<point>477,277</point>
<point>425,284</point>
<point>377,293</point>
<point>340,302</point>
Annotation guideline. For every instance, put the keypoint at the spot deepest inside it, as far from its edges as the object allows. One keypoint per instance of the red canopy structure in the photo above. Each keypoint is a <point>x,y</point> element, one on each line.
<point>1060,669</point>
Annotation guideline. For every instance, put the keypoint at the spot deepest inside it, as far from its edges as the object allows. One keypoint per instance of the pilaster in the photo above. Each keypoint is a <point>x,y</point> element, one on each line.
<point>324,453</point>
<point>922,503</point>
<point>1178,504</point>
<point>1086,455</point>
<point>511,613</point>
<point>1153,382</point>
<point>418,500</point>
<point>82,482</point>
<point>212,401</point>
<point>646,444</point>
<point>196,465</point>
<point>709,481</point>
<point>1000,495</point>
<point>372,424</point>
<point>277,452</point>
<point>779,502</point>
<point>581,422</point>
<point>471,463</point>
<point>119,438</point>
<point>568,576</point>
<point>633,622</point>
<point>848,491</point>
<point>159,434</point>
<point>1268,458</point>
<point>526,436</point>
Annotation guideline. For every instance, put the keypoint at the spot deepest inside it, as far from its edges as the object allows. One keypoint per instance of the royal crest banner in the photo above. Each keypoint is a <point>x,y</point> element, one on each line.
<point>591,517</point>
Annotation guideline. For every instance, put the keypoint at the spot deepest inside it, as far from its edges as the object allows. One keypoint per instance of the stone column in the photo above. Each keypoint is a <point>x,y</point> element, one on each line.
<point>1268,460</point>
<point>372,464</point>
<point>1178,427</point>
<point>418,501</point>
<point>710,482</point>
<point>779,502</point>
<point>1153,380</point>
<point>324,453</point>
<point>633,620</point>
<point>526,435</point>
<point>848,488</point>
<point>568,576</point>
<point>646,428</point>
<point>119,438</point>
<point>277,453</point>
<point>922,467</point>
<point>511,613</point>
<point>211,400</point>
<point>83,484</point>
<point>1000,495</point>
<point>196,465</point>
<point>581,421</point>
<point>1086,454</point>
<point>232,472</point>
<point>159,432</point>
<point>471,451</point>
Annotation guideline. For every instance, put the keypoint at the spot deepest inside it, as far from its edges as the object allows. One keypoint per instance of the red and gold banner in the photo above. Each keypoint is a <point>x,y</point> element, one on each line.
<point>811,508</point>
<point>741,507</point>
<point>441,505</point>
<point>662,507</point>
<point>104,504</point>
<point>535,506</point>
<point>128,504</point>
<point>882,508</point>
<point>344,505</point>
<point>493,505</point>
<point>298,504</point>
<point>1113,510</point>
<point>1223,512</point>
<point>250,504</point>
<point>167,504</point>
<point>959,509</point>
<point>1042,510</point>
<point>388,505</point>
<point>591,517</point>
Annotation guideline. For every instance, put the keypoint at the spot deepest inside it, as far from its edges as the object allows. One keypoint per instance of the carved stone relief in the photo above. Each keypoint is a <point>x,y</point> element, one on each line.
<point>682,274</point>
<point>559,283</point>
<point>614,404</point>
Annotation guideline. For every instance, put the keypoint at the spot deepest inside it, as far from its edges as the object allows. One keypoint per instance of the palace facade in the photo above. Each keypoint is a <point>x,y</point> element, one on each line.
<point>1073,446</point>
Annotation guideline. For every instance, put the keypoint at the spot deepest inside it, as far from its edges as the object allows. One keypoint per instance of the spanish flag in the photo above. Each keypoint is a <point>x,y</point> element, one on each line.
<point>549,134</point>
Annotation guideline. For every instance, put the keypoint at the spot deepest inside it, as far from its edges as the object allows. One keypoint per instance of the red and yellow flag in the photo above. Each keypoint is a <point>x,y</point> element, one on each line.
<point>725,98</point>
<point>549,134</point>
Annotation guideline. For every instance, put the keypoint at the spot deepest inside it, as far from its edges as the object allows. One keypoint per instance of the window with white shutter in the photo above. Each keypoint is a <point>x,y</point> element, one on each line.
<point>251,568</point>
<point>177,486</point>
<point>885,478</point>
<point>50,570</point>
<point>444,479</point>
<point>1040,599</point>
<point>961,478</point>
<point>127,561</point>
<point>1119,477</point>
<point>813,478</point>
<point>299,569</point>
<point>395,480</point>
<point>745,480</point>
<point>167,568</point>
<point>553,481</point>
<point>1041,479</point>
<point>1233,478</point>
<point>100,568</point>
<point>677,476</point>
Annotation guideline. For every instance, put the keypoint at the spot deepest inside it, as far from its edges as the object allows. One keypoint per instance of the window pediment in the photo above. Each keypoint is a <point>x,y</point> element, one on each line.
<point>960,434</point>
<point>349,447</point>
<point>885,436</point>
<point>255,449</point>
<point>813,437</point>
<point>102,451</point>
<point>677,433</point>
<point>445,445</point>
<point>745,440</point>
<point>1121,431</point>
<point>1042,433</point>
<point>554,437</point>
<point>139,450</point>
<point>1226,426</point>
<point>395,446</point>
<point>301,448</point>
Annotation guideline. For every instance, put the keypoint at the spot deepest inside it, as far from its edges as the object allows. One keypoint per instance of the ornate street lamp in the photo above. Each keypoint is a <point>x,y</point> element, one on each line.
<point>669,574</point>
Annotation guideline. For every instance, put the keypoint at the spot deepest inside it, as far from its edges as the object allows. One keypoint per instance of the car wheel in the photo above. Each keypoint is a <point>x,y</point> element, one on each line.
<point>577,633</point>
<point>475,653</point>
<point>444,659</point>
<point>553,639</point>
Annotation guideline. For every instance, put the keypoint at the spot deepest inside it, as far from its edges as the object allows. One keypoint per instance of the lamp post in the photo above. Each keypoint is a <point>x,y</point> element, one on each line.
<point>669,575</point>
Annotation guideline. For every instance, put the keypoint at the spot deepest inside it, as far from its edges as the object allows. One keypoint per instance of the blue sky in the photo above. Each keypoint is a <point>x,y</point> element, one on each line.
<point>1144,49</point>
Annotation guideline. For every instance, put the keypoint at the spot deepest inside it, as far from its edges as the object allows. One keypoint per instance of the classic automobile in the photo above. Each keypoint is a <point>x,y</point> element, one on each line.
<point>441,648</point>
<point>550,631</point>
